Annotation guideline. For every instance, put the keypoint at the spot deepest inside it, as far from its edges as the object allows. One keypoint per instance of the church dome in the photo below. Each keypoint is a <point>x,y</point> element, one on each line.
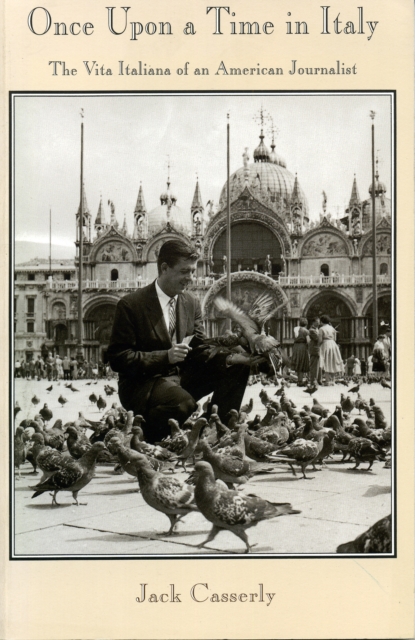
<point>380,187</point>
<point>161,215</point>
<point>270,182</point>
<point>382,203</point>
<point>168,211</point>
<point>274,158</point>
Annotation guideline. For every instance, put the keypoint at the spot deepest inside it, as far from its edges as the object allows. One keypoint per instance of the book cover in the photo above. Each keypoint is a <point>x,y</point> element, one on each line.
<point>292,123</point>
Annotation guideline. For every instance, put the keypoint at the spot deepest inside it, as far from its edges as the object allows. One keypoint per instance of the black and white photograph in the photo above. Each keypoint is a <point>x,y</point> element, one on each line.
<point>202,304</point>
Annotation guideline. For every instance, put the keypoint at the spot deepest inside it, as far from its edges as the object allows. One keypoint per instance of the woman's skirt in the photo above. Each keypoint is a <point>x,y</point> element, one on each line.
<point>300,360</point>
<point>330,357</point>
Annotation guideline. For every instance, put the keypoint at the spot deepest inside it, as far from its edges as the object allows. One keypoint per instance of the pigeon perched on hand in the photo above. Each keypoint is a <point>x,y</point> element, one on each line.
<point>253,326</point>
<point>231,510</point>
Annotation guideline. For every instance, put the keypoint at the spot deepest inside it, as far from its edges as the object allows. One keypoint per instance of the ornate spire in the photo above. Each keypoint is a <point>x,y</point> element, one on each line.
<point>296,196</point>
<point>100,219</point>
<point>197,204</point>
<point>354,197</point>
<point>84,202</point>
<point>261,153</point>
<point>124,228</point>
<point>140,206</point>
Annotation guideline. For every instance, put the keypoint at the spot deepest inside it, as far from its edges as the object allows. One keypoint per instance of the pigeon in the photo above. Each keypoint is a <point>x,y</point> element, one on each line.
<point>19,450</point>
<point>101,403</point>
<point>377,539</point>
<point>72,388</point>
<point>310,390</point>
<point>127,457</point>
<point>318,408</point>
<point>109,390</point>
<point>258,449</point>
<point>247,408</point>
<point>149,450</point>
<point>62,401</point>
<point>32,454</point>
<point>383,382</point>
<point>49,460</point>
<point>380,420</point>
<point>230,510</point>
<point>166,494</point>
<point>178,439</point>
<point>346,404</point>
<point>77,444</point>
<point>73,476</point>
<point>253,326</point>
<point>301,451</point>
<point>355,389</point>
<point>35,400</point>
<point>92,398</point>
<point>228,466</point>
<point>364,450</point>
<point>46,413</point>
<point>49,389</point>
<point>192,441</point>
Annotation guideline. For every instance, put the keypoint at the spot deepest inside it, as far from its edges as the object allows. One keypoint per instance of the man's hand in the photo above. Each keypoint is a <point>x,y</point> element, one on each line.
<point>178,353</point>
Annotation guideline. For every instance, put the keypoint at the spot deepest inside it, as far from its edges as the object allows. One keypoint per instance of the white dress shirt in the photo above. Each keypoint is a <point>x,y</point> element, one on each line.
<point>164,300</point>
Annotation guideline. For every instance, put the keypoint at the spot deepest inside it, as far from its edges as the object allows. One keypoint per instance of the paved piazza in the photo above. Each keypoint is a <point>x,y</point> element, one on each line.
<point>336,506</point>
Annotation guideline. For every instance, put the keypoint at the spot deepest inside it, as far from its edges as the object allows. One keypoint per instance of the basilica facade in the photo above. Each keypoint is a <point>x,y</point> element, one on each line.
<point>309,264</point>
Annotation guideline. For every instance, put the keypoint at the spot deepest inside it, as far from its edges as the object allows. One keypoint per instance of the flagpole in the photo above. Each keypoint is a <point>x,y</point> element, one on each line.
<point>50,241</point>
<point>80,354</point>
<point>228,222</point>
<point>374,273</point>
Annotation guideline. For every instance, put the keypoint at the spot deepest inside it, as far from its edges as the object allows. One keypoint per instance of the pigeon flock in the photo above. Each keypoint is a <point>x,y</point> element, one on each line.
<point>204,464</point>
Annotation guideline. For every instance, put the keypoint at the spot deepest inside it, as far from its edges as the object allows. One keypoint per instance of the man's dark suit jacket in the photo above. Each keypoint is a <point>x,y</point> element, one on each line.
<point>140,340</point>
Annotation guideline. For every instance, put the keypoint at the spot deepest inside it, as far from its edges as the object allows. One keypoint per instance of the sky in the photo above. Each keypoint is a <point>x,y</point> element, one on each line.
<point>129,139</point>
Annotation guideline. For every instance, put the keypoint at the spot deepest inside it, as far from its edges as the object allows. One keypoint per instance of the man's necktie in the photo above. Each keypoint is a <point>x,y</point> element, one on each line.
<point>172,317</point>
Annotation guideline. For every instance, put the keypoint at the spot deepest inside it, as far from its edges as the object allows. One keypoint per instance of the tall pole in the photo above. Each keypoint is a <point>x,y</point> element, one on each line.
<point>50,241</point>
<point>80,354</point>
<point>374,274</point>
<point>228,223</point>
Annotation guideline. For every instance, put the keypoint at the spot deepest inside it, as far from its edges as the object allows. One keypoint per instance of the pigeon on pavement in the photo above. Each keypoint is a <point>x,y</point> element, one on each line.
<point>164,493</point>
<point>377,539</point>
<point>231,510</point>
<point>46,413</point>
<point>73,476</point>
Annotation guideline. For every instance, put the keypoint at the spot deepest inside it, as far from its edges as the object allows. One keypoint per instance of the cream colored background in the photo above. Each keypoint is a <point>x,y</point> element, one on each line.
<point>329,598</point>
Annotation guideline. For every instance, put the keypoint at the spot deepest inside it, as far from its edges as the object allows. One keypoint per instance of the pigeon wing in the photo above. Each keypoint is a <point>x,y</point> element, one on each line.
<point>236,314</point>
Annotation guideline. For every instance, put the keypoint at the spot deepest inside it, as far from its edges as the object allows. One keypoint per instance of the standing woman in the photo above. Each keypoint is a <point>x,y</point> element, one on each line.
<point>330,357</point>
<point>300,360</point>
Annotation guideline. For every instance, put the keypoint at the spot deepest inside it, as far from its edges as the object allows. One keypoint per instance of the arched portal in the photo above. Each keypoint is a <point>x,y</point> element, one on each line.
<point>98,328</point>
<point>336,307</point>
<point>251,243</point>
<point>384,313</point>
